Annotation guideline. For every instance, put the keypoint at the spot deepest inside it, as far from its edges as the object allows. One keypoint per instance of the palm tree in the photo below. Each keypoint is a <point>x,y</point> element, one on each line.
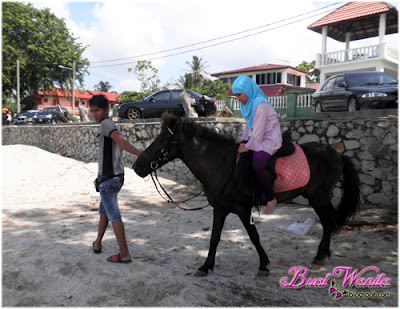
<point>186,81</point>
<point>103,86</point>
<point>197,66</point>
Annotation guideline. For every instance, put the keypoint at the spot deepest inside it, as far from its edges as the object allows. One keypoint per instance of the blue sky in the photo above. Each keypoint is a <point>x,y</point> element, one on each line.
<point>81,12</point>
<point>114,29</point>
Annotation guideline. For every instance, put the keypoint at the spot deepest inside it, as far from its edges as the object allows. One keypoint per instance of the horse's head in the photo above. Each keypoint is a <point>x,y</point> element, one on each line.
<point>163,149</point>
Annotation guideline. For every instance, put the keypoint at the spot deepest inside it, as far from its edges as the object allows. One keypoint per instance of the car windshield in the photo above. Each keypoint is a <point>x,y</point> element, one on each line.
<point>362,79</point>
<point>29,113</point>
<point>47,111</point>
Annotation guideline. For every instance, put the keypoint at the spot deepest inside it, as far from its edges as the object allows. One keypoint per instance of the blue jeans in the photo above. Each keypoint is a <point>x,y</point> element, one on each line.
<point>109,198</point>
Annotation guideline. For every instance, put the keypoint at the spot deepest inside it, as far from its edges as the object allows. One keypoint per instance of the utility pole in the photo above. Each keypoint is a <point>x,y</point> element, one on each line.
<point>73,88</point>
<point>18,103</point>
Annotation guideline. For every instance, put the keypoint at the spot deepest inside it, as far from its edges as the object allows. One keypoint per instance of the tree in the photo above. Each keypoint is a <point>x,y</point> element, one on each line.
<point>147,75</point>
<point>41,42</point>
<point>309,68</point>
<point>216,88</point>
<point>197,67</point>
<point>103,86</point>
<point>186,81</point>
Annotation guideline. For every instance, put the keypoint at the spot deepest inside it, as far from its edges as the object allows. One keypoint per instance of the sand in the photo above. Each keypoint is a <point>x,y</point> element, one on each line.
<point>49,222</point>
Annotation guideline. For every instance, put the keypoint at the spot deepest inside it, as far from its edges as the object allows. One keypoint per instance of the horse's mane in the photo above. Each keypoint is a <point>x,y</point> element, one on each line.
<point>193,129</point>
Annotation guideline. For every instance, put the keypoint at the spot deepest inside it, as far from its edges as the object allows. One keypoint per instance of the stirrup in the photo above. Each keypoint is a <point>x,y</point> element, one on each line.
<point>253,209</point>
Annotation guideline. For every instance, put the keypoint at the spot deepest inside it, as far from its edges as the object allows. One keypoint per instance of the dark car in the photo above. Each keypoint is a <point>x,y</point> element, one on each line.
<point>49,115</point>
<point>351,91</point>
<point>25,117</point>
<point>167,100</point>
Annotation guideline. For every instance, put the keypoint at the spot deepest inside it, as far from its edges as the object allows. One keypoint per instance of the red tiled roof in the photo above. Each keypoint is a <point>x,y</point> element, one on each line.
<point>109,96</point>
<point>80,94</point>
<point>351,11</point>
<point>263,67</point>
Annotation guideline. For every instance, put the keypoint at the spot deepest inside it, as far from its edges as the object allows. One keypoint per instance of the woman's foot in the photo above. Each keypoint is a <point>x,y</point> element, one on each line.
<point>271,205</point>
<point>117,259</point>
<point>96,248</point>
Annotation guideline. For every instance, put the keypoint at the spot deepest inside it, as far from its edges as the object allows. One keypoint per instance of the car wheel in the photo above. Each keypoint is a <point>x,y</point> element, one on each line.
<point>353,105</point>
<point>318,108</point>
<point>133,113</point>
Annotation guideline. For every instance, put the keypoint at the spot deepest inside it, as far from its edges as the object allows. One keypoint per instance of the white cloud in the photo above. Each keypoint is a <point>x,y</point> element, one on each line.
<point>122,29</point>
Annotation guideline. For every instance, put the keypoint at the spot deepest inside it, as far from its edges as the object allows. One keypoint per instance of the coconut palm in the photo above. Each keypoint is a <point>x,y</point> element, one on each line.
<point>103,86</point>
<point>197,67</point>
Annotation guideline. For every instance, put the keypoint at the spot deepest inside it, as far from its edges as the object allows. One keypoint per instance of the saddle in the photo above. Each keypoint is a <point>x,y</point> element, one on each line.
<point>244,175</point>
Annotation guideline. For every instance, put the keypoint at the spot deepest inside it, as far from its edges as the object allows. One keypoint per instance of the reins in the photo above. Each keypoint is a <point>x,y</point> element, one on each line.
<point>154,166</point>
<point>169,199</point>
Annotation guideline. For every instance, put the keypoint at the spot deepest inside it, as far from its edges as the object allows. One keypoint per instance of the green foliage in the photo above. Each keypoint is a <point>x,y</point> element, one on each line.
<point>185,82</point>
<point>103,86</point>
<point>197,78</point>
<point>147,75</point>
<point>309,68</point>
<point>216,89</point>
<point>131,96</point>
<point>41,42</point>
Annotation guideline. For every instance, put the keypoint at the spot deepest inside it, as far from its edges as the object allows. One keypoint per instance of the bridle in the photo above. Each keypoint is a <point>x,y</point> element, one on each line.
<point>163,158</point>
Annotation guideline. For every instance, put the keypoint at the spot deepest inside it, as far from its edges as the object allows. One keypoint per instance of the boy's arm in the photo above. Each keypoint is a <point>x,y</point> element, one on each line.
<point>123,143</point>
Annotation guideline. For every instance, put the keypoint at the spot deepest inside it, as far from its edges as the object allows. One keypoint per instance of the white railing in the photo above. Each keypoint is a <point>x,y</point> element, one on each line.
<point>220,105</point>
<point>279,101</point>
<point>304,100</point>
<point>349,55</point>
<point>392,53</point>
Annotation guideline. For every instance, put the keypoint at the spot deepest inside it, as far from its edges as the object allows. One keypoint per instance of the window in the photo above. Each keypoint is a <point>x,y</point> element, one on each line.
<point>293,79</point>
<point>339,79</point>
<point>260,79</point>
<point>176,95</point>
<point>278,78</point>
<point>329,84</point>
<point>162,96</point>
<point>269,78</point>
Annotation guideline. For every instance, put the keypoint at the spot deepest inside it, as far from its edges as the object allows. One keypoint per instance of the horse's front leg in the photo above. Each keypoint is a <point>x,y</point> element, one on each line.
<point>255,239</point>
<point>218,223</point>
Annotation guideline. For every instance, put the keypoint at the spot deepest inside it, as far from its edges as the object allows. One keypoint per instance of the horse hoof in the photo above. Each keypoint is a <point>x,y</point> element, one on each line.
<point>321,261</point>
<point>200,273</point>
<point>263,273</point>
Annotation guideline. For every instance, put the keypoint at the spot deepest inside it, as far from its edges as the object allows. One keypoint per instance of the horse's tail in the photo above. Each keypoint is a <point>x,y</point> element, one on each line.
<point>350,201</point>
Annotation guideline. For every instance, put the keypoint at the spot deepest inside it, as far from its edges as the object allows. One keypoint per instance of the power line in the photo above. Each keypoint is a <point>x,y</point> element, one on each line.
<point>212,45</point>
<point>219,38</point>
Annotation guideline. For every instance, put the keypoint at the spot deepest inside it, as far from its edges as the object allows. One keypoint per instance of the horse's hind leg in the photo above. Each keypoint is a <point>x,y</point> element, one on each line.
<point>218,224</point>
<point>327,216</point>
<point>255,239</point>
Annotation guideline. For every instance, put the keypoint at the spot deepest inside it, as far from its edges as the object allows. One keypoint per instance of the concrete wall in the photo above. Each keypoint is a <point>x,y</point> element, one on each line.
<point>371,143</point>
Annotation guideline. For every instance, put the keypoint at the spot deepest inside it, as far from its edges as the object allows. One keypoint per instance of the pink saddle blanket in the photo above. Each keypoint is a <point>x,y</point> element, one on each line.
<point>293,171</point>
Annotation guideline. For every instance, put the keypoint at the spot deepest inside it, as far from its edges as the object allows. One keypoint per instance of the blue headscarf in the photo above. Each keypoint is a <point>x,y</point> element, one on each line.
<point>244,84</point>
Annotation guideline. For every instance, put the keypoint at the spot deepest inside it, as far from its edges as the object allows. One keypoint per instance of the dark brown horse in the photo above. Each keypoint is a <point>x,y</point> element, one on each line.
<point>211,158</point>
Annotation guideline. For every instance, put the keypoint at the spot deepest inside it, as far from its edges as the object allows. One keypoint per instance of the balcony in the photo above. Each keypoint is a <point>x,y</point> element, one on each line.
<point>358,55</point>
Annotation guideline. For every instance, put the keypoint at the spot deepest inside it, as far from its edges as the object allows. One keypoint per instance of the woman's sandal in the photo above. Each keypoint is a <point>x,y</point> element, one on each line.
<point>117,259</point>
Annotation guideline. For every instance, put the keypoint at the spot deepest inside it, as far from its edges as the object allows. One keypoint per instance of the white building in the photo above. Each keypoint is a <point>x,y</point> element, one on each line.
<point>356,21</point>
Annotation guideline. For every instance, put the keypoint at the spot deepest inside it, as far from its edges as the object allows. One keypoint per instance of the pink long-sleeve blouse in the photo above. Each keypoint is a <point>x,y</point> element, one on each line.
<point>266,134</point>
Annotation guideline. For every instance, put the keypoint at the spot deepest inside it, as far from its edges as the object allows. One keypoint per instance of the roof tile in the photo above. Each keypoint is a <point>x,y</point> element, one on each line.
<point>350,11</point>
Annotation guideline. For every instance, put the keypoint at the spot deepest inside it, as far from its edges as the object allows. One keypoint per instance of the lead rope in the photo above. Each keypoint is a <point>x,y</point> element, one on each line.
<point>170,200</point>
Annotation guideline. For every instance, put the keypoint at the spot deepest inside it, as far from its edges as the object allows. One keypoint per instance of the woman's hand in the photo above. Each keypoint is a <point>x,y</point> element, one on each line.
<point>242,148</point>
<point>238,141</point>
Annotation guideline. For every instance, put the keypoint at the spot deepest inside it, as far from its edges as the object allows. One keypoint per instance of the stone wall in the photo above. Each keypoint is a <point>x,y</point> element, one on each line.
<point>371,143</point>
